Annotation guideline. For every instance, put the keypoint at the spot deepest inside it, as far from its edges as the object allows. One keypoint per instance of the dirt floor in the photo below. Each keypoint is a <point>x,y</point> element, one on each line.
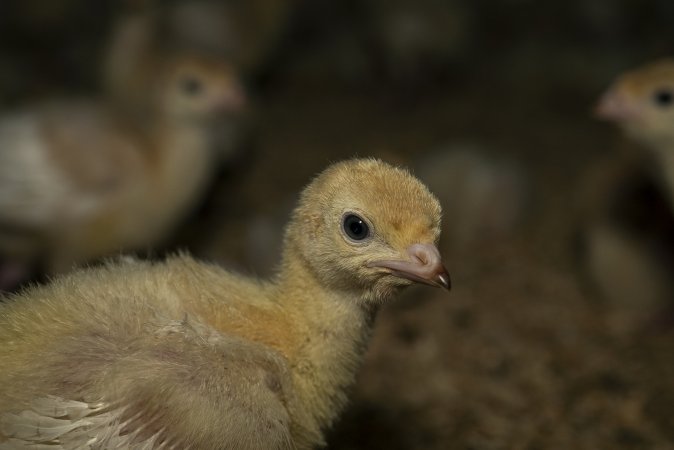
<point>523,353</point>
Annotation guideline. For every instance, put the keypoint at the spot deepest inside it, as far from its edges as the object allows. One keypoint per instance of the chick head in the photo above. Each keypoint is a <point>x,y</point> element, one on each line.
<point>365,227</point>
<point>642,103</point>
<point>193,87</point>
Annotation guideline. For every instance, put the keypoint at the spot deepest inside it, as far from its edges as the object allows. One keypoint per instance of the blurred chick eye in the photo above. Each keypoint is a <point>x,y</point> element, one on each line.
<point>663,97</point>
<point>191,86</point>
<point>355,227</point>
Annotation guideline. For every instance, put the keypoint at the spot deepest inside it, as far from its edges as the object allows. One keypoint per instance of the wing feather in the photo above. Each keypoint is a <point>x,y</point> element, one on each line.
<point>188,385</point>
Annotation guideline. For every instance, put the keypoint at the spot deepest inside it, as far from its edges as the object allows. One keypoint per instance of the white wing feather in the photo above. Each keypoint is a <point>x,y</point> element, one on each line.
<point>55,423</point>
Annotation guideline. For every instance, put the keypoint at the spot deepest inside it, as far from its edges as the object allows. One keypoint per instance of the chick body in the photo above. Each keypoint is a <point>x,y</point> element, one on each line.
<point>628,230</point>
<point>182,354</point>
<point>89,179</point>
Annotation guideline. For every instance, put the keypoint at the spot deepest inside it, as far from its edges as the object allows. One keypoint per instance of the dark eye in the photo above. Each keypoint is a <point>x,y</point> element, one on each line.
<point>663,97</point>
<point>355,227</point>
<point>191,85</point>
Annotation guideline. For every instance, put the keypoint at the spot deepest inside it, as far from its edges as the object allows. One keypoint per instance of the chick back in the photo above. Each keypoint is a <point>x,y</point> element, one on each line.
<point>132,344</point>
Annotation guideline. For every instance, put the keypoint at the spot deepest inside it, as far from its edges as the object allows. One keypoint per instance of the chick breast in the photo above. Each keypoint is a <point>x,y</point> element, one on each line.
<point>31,187</point>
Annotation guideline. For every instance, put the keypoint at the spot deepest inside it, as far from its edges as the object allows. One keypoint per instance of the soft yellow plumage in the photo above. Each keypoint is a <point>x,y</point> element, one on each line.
<point>182,354</point>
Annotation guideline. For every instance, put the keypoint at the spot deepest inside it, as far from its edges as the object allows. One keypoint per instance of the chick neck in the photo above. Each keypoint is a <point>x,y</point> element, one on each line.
<point>663,150</point>
<point>181,165</point>
<point>333,328</point>
<point>668,173</point>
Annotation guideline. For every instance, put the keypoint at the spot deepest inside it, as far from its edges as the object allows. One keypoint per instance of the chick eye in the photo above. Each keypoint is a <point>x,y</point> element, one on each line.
<point>191,85</point>
<point>663,97</point>
<point>355,227</point>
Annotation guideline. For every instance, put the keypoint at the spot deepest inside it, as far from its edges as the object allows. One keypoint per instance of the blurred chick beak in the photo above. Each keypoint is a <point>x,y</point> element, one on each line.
<point>615,106</point>
<point>233,100</point>
<point>425,266</point>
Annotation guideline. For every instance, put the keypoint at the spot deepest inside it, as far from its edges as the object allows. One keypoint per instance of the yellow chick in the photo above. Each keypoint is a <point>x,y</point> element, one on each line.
<point>641,102</point>
<point>85,180</point>
<point>182,354</point>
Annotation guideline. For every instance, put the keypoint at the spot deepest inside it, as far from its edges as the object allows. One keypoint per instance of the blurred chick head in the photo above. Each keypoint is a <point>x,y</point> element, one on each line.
<point>369,228</point>
<point>642,103</point>
<point>193,87</point>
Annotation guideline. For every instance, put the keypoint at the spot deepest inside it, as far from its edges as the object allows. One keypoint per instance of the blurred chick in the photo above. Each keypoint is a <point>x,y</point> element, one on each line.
<point>183,354</point>
<point>143,42</point>
<point>628,237</point>
<point>244,33</point>
<point>487,195</point>
<point>641,102</point>
<point>81,179</point>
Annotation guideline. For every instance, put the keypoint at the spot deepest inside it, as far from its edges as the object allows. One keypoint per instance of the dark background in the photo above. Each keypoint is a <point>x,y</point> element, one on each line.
<point>524,353</point>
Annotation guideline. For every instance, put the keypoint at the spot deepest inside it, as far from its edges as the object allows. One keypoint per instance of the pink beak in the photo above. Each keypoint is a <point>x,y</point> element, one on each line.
<point>616,107</point>
<point>232,100</point>
<point>425,266</point>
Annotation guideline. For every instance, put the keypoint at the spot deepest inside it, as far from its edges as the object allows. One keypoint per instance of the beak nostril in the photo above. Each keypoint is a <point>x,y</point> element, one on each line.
<point>420,254</point>
<point>423,259</point>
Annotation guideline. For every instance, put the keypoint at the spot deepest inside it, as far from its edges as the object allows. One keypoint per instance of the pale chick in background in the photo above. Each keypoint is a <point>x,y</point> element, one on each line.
<point>141,43</point>
<point>625,200</point>
<point>137,46</point>
<point>80,179</point>
<point>183,354</point>
<point>641,102</point>
<point>487,195</point>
